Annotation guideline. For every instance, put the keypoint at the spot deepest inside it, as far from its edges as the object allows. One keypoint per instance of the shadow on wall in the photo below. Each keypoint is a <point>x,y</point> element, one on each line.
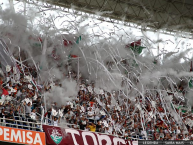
<point>8,143</point>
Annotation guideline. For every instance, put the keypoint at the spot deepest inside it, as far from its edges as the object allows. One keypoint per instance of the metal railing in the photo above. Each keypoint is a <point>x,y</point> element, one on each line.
<point>19,123</point>
<point>35,126</point>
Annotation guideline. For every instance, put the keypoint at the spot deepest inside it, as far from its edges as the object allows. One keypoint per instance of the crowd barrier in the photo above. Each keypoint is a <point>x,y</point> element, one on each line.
<point>19,132</point>
<point>20,124</point>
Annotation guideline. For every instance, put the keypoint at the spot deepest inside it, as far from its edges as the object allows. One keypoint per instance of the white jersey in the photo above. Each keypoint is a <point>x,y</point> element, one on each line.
<point>55,123</point>
<point>91,113</point>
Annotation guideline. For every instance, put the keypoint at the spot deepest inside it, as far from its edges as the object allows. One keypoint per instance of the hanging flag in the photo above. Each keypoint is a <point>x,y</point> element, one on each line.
<point>191,81</point>
<point>78,40</point>
<point>133,44</point>
<point>134,64</point>
<point>72,56</point>
<point>66,42</point>
<point>35,42</point>
<point>136,43</point>
<point>136,46</point>
<point>36,86</point>
<point>155,61</point>
<point>5,92</point>
<point>44,47</point>
<point>40,39</point>
<point>55,55</point>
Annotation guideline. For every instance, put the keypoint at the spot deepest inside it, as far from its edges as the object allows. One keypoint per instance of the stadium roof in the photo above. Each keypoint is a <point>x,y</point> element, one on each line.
<point>171,15</point>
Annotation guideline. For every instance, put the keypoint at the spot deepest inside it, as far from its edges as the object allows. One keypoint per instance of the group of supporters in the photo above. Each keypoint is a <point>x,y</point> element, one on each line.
<point>20,102</point>
<point>93,109</point>
<point>97,110</point>
<point>137,119</point>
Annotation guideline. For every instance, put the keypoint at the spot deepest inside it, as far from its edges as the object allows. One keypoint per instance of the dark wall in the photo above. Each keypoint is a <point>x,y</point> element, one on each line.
<point>8,143</point>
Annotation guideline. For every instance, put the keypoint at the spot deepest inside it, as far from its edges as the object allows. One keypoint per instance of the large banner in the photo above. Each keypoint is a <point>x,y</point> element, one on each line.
<point>68,136</point>
<point>21,136</point>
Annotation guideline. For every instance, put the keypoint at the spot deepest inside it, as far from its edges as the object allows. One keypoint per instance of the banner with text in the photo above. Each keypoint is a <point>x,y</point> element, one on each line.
<point>21,136</point>
<point>68,136</point>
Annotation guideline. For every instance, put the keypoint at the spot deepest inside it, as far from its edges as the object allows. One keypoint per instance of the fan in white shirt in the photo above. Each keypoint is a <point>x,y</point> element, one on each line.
<point>90,89</point>
<point>33,114</point>
<point>69,114</point>
<point>70,103</point>
<point>186,137</point>
<point>97,114</point>
<point>55,122</point>
<point>117,107</point>
<point>82,109</point>
<point>27,100</point>
<point>105,123</point>
<point>54,112</point>
<point>102,112</point>
<point>107,130</point>
<point>90,114</point>
<point>178,130</point>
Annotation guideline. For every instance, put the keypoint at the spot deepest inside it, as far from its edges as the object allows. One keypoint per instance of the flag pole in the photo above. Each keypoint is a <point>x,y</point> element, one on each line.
<point>45,106</point>
<point>190,83</point>
<point>11,5</point>
<point>78,72</point>
<point>24,2</point>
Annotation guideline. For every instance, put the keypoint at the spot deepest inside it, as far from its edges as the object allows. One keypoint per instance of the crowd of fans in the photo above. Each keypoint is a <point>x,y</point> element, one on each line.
<point>93,109</point>
<point>20,101</point>
<point>97,110</point>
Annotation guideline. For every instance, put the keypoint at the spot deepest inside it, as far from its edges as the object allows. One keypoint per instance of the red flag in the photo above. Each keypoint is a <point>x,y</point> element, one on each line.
<point>136,43</point>
<point>67,43</point>
<point>91,104</point>
<point>5,92</point>
<point>73,56</point>
<point>18,68</point>
<point>40,39</point>
<point>133,44</point>
<point>54,55</point>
